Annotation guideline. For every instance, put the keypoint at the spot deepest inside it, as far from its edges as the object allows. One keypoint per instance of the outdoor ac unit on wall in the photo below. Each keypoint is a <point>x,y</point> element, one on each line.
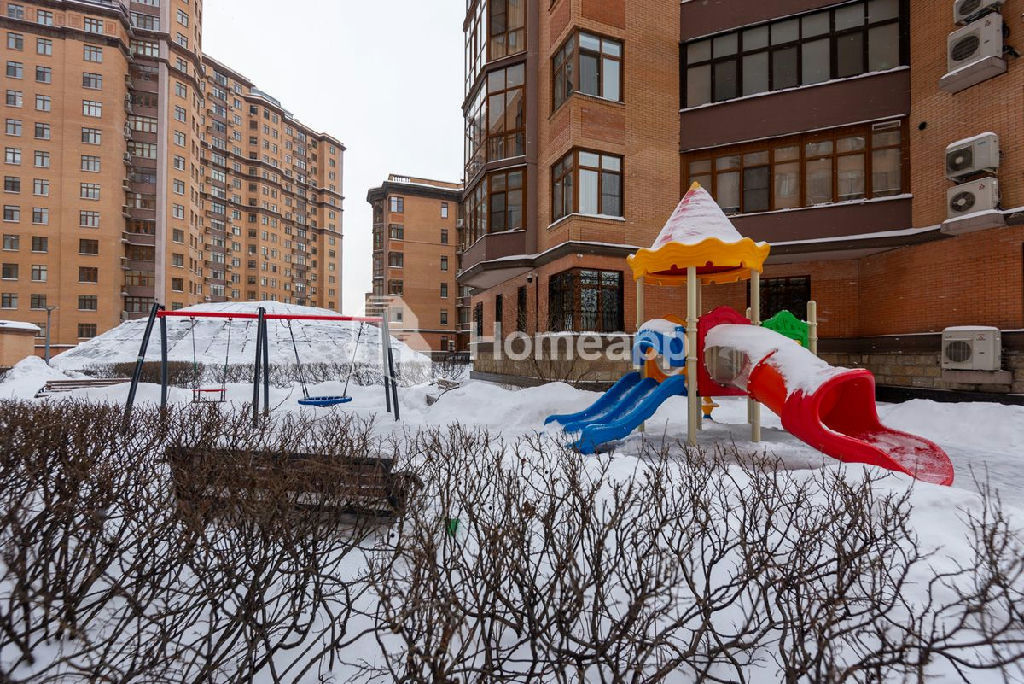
<point>970,198</point>
<point>971,348</point>
<point>969,10</point>
<point>974,42</point>
<point>968,157</point>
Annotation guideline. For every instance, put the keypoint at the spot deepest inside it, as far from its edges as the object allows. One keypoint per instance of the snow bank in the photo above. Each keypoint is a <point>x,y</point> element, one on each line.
<point>317,341</point>
<point>19,325</point>
<point>801,369</point>
<point>27,377</point>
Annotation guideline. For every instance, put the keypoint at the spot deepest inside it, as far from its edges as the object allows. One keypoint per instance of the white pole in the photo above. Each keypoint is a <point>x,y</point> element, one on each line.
<point>699,309</point>
<point>692,405</point>
<point>812,326</point>
<point>640,320</point>
<point>755,319</point>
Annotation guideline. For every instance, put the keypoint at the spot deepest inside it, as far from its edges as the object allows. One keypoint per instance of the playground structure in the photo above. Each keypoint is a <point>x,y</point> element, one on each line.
<point>261,365</point>
<point>723,353</point>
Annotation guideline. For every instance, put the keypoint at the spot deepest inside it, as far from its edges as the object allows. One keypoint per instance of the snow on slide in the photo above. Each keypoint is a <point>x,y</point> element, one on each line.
<point>830,408</point>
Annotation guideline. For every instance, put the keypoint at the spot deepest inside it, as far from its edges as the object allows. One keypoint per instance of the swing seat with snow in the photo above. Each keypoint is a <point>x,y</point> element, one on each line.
<point>326,400</point>
<point>214,394</point>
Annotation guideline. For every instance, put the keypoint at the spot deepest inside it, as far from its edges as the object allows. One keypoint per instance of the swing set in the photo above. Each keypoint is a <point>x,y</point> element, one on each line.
<point>261,369</point>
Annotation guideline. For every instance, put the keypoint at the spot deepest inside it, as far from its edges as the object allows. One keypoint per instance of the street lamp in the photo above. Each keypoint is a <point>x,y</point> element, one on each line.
<point>46,353</point>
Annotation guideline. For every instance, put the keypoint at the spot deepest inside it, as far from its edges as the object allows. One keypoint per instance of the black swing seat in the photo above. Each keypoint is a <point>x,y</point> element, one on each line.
<point>325,401</point>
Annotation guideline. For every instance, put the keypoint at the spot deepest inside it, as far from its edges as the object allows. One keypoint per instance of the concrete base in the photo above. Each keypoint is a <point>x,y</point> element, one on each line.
<point>972,74</point>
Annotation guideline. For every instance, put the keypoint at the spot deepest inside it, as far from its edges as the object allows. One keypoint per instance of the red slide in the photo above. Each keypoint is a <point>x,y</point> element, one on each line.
<point>831,409</point>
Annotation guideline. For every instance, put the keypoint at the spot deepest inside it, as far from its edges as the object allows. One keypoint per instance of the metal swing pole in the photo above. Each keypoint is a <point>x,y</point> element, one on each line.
<point>163,364</point>
<point>256,371</point>
<point>266,368</point>
<point>352,364</point>
<point>385,338</point>
<point>137,374</point>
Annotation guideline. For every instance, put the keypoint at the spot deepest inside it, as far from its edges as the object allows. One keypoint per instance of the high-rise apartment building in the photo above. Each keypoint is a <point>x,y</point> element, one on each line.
<point>875,143</point>
<point>137,170</point>
<point>415,234</point>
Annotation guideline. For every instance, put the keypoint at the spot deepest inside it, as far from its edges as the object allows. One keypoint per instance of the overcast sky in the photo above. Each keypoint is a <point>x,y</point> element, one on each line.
<point>384,76</point>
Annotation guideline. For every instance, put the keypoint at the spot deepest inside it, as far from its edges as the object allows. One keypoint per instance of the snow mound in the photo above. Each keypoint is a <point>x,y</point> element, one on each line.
<point>208,340</point>
<point>27,377</point>
<point>697,218</point>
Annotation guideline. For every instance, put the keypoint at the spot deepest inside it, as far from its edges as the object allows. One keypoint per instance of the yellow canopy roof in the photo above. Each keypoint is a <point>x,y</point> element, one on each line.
<point>699,234</point>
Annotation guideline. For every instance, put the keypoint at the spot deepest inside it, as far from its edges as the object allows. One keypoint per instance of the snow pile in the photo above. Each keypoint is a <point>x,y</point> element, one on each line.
<point>27,377</point>
<point>696,219</point>
<point>801,369</point>
<point>661,325</point>
<point>19,325</point>
<point>330,342</point>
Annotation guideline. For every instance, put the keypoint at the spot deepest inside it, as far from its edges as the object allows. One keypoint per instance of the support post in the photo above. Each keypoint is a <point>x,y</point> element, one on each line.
<point>385,343</point>
<point>394,381</point>
<point>266,369</point>
<point>755,319</point>
<point>812,326</point>
<point>256,370</point>
<point>699,309</point>
<point>640,319</point>
<point>692,403</point>
<point>163,364</point>
<point>137,374</point>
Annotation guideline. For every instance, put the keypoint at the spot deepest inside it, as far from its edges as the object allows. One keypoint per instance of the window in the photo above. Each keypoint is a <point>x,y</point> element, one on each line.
<point>43,103</point>
<point>178,235</point>
<point>146,48</point>
<point>42,131</point>
<point>586,182</point>
<point>180,114</point>
<point>444,263</point>
<point>178,284</point>
<point>92,81</point>
<point>178,260</point>
<point>142,149</point>
<point>13,127</point>
<point>15,11</point>
<point>506,197</point>
<point>182,18</point>
<point>40,244</point>
<point>521,309</point>
<point>93,25</point>
<point>444,210</point>
<point>12,184</point>
<point>507,24</point>
<point>12,213</point>
<point>444,236</point>
<point>90,247</point>
<point>44,46</point>
<point>40,216</point>
<point>396,259</point>
<point>92,53</point>
<point>802,171</point>
<point>444,290</point>
<point>44,17</point>
<point>90,191</point>
<point>478,319</point>
<point>179,187</point>
<point>37,301</point>
<point>396,231</point>
<point>39,272</point>
<point>396,205</point>
<point>506,113</point>
<point>15,69</point>
<point>181,40</point>
<point>143,124</point>
<point>444,317</point>
<point>40,187</point>
<point>179,138</point>
<point>90,163</point>
<point>12,155</point>
<point>9,271</point>
<point>790,294</point>
<point>92,108</point>
<point>844,41</point>
<point>499,309</point>
<point>12,243</point>
<point>86,330</point>
<point>178,211</point>
<point>586,300</point>
<point>88,274</point>
<point>89,219</point>
<point>15,41</point>
<point>145,21</point>
<point>587,64</point>
<point>86,303</point>
<point>92,136</point>
<point>9,300</point>
<point>44,75</point>
<point>396,287</point>
<point>14,98</point>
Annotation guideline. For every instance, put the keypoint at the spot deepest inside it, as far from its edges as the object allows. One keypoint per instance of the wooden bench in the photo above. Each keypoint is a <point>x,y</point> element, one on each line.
<point>360,488</point>
<point>60,386</point>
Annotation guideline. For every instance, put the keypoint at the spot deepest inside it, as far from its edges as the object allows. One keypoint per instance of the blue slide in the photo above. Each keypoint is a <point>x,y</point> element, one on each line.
<point>618,412</point>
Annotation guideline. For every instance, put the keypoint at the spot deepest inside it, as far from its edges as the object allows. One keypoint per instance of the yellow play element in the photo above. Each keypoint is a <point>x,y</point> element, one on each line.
<point>717,260</point>
<point>708,406</point>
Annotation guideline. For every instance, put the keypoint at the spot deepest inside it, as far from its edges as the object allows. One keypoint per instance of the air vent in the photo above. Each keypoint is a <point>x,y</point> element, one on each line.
<point>972,156</point>
<point>966,11</point>
<point>971,198</point>
<point>971,348</point>
<point>958,351</point>
<point>974,42</point>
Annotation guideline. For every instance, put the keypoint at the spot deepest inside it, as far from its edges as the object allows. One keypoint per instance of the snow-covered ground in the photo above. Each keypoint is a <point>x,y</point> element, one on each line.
<point>317,341</point>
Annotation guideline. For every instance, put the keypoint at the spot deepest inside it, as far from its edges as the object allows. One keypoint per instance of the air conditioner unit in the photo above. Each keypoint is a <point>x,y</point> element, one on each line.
<point>974,42</point>
<point>965,11</point>
<point>970,198</point>
<point>972,155</point>
<point>972,348</point>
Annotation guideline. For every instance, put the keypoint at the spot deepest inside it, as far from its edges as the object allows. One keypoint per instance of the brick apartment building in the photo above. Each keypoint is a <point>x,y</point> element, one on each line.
<point>136,169</point>
<point>820,127</point>
<point>415,234</point>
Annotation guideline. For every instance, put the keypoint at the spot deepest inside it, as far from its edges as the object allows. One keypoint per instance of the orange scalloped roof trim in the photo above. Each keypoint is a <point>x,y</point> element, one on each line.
<point>716,261</point>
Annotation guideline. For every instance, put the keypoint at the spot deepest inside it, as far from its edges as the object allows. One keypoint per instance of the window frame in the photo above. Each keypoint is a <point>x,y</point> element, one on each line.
<point>570,162</point>
<point>568,286</point>
<point>569,54</point>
